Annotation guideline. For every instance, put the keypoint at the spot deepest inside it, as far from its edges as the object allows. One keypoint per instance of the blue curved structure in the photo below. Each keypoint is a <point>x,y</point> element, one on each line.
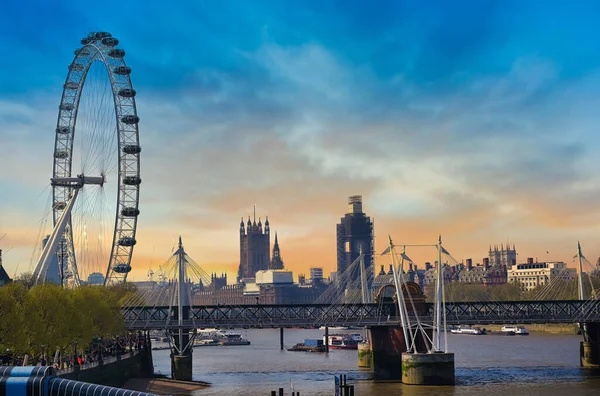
<point>41,381</point>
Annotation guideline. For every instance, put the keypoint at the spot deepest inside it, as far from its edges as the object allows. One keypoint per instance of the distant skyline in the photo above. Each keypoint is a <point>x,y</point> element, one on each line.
<point>476,120</point>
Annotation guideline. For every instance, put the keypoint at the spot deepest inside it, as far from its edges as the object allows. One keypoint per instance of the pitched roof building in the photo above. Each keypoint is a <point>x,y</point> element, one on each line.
<point>4,278</point>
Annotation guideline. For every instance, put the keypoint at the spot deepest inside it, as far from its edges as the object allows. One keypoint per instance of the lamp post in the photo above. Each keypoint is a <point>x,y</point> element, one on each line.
<point>75,361</point>
<point>100,346</point>
<point>43,362</point>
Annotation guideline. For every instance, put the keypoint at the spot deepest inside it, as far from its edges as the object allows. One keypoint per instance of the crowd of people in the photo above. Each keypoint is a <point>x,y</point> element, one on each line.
<point>99,349</point>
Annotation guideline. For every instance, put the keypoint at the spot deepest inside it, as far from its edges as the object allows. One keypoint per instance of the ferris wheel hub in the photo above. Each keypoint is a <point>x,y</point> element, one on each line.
<point>77,182</point>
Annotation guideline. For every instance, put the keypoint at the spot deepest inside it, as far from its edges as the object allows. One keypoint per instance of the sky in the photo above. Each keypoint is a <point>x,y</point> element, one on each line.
<point>474,120</point>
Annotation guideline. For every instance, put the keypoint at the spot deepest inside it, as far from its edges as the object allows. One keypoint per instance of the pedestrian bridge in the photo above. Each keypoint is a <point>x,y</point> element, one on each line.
<point>308,315</point>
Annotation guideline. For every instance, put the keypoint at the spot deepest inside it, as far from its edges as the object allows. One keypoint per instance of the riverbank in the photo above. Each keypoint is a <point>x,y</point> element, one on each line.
<point>553,328</point>
<point>164,386</point>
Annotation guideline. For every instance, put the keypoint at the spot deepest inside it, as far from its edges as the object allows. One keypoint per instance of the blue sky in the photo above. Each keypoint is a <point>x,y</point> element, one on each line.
<point>474,119</point>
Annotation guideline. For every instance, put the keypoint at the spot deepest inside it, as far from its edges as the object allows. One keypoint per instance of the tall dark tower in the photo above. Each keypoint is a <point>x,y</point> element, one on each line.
<point>355,231</point>
<point>255,244</point>
<point>276,261</point>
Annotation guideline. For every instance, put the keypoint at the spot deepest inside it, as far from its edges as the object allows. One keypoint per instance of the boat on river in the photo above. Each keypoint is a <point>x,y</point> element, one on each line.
<point>518,330</point>
<point>233,339</point>
<point>206,342</point>
<point>468,330</point>
<point>341,341</point>
<point>309,346</point>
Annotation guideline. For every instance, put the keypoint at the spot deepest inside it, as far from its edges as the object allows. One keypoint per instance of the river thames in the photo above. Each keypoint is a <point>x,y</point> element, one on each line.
<point>539,364</point>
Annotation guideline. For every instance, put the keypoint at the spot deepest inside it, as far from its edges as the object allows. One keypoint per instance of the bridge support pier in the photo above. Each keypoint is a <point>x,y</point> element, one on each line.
<point>387,345</point>
<point>365,355</point>
<point>590,349</point>
<point>428,368</point>
<point>181,367</point>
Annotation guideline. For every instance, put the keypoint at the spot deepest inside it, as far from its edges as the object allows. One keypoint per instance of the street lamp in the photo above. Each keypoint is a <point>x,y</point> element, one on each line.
<point>75,361</point>
<point>100,346</point>
<point>43,355</point>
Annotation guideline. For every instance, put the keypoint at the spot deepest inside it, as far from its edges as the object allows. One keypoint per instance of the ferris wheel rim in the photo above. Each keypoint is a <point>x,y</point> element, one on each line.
<point>102,47</point>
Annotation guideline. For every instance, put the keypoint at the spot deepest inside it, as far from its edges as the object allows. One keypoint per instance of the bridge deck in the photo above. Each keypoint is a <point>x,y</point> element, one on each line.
<point>305,315</point>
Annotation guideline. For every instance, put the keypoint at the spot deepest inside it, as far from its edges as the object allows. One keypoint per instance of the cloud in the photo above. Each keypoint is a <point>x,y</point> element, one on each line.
<point>469,123</point>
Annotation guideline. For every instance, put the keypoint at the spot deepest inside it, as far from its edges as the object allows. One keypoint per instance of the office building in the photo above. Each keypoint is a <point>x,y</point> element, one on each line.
<point>354,234</point>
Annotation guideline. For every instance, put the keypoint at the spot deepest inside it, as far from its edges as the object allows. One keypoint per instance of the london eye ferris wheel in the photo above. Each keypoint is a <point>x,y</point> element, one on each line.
<point>96,168</point>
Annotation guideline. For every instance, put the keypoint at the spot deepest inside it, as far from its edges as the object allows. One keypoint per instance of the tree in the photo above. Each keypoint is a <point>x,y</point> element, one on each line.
<point>11,317</point>
<point>124,292</point>
<point>101,308</point>
<point>26,279</point>
<point>506,292</point>
<point>51,318</point>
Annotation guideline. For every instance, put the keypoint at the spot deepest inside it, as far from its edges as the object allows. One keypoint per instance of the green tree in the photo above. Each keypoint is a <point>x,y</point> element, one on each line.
<point>126,293</point>
<point>57,317</point>
<point>11,317</point>
<point>101,308</point>
<point>51,315</point>
<point>26,279</point>
<point>506,292</point>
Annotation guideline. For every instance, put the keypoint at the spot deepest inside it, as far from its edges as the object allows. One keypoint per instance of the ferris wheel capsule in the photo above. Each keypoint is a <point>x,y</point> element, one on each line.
<point>132,149</point>
<point>116,53</point>
<point>127,92</point>
<point>110,41</point>
<point>122,70</point>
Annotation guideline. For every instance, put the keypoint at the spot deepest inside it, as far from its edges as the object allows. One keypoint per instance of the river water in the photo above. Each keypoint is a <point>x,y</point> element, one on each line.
<point>539,364</point>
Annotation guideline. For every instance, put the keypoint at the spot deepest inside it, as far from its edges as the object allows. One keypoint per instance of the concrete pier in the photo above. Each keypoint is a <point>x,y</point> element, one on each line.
<point>365,355</point>
<point>181,367</point>
<point>589,351</point>
<point>428,368</point>
<point>387,345</point>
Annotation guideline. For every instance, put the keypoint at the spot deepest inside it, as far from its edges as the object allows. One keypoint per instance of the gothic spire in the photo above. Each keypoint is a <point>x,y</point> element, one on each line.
<point>276,260</point>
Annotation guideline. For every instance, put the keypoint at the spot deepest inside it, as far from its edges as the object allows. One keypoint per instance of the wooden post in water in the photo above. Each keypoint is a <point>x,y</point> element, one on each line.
<point>273,393</point>
<point>326,339</point>
<point>280,391</point>
<point>281,338</point>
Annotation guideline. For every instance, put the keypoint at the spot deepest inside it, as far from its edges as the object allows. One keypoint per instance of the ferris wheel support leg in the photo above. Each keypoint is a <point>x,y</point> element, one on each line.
<point>49,251</point>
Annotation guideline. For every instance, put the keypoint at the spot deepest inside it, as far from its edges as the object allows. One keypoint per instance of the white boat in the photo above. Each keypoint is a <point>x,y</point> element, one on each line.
<point>468,330</point>
<point>335,328</point>
<point>209,330</point>
<point>357,337</point>
<point>206,342</point>
<point>233,339</point>
<point>518,330</point>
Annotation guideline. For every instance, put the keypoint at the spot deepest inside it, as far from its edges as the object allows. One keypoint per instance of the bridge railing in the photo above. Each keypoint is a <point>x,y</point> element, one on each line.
<point>523,312</point>
<point>298,315</point>
<point>41,381</point>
